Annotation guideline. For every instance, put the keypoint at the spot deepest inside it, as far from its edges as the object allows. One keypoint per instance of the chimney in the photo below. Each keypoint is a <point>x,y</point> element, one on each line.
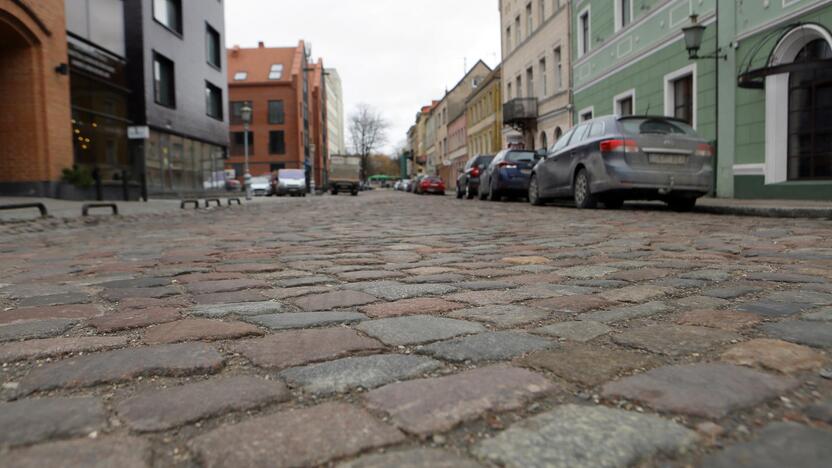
<point>261,44</point>
<point>235,50</point>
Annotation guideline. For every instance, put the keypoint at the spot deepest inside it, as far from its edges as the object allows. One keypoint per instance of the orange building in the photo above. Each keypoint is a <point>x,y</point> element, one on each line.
<point>35,122</point>
<point>287,96</point>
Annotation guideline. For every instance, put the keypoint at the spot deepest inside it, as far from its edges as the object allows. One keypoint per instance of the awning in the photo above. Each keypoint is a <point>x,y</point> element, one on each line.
<point>755,79</point>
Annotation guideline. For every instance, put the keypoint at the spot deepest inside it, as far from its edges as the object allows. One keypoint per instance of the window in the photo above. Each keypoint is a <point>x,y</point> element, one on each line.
<point>238,143</point>
<point>212,46</point>
<point>541,11</point>
<point>240,76</point>
<point>623,13</point>
<point>276,71</point>
<point>519,89</point>
<point>586,114</point>
<point>625,104</point>
<point>544,142</point>
<point>530,82</point>
<point>584,33</point>
<point>544,86</point>
<point>276,114</point>
<point>558,69</point>
<point>580,134</point>
<point>236,112</point>
<point>508,91</point>
<point>164,84</point>
<point>508,39</point>
<point>169,14</point>
<point>213,101</point>
<point>277,144</point>
<point>529,23</point>
<point>517,38</point>
<point>680,94</point>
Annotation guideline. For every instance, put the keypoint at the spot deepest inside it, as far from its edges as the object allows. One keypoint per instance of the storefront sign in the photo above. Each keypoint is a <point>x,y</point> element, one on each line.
<point>138,133</point>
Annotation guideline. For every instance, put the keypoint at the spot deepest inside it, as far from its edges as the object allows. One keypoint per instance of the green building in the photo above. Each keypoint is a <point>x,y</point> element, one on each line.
<point>762,92</point>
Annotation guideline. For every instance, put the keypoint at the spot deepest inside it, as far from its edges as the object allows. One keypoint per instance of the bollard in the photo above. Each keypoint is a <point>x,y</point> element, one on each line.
<point>85,209</point>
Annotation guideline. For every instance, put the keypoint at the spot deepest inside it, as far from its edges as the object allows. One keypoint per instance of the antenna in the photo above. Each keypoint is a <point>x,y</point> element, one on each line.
<point>648,108</point>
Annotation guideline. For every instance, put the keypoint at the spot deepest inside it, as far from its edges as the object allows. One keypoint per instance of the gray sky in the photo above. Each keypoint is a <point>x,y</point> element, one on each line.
<point>395,55</point>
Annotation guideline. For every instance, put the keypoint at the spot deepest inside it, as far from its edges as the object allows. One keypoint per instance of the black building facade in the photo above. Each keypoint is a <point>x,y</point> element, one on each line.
<point>178,109</point>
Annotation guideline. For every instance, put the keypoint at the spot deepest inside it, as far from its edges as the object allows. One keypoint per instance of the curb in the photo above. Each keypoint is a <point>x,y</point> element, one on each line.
<point>767,212</point>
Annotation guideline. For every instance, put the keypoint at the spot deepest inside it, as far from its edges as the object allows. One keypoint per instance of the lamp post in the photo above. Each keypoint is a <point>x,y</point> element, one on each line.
<point>245,115</point>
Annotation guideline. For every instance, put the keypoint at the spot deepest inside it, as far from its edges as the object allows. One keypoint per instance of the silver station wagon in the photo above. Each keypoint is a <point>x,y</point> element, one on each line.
<point>612,159</point>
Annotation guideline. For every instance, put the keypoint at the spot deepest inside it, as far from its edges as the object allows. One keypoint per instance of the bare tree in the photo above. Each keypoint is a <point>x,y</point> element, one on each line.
<point>368,131</point>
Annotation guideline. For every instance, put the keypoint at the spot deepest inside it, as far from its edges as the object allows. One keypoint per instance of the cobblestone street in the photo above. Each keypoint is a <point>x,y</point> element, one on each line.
<point>391,330</point>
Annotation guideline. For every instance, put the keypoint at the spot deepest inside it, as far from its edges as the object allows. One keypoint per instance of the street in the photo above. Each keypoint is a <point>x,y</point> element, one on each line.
<point>391,329</point>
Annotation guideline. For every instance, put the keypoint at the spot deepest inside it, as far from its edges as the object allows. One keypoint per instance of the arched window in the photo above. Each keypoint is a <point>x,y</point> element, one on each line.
<point>558,134</point>
<point>544,142</point>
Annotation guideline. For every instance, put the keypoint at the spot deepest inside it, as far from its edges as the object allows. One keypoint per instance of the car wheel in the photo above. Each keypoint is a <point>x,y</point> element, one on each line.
<point>459,193</point>
<point>482,193</point>
<point>534,192</point>
<point>582,192</point>
<point>613,204</point>
<point>682,204</point>
<point>468,193</point>
<point>493,193</point>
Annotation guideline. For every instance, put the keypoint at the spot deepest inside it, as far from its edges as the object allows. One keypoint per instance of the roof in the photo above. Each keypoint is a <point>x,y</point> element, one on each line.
<point>258,63</point>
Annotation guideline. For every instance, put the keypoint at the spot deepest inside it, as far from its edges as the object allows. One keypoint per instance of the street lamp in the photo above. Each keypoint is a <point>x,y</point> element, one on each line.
<point>693,41</point>
<point>245,115</point>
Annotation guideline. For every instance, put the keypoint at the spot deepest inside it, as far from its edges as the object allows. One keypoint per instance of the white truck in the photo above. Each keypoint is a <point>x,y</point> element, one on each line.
<point>344,174</point>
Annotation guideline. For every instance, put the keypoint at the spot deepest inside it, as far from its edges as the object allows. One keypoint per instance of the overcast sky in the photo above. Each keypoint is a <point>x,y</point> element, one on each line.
<point>392,54</point>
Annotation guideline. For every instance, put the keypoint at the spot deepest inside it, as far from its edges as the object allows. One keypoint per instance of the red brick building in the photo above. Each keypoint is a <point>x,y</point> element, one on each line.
<point>287,96</point>
<point>35,122</point>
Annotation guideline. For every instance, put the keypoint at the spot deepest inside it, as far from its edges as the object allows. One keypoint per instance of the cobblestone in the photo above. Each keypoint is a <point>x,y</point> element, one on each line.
<point>198,329</point>
<point>493,346</point>
<point>124,452</point>
<point>417,329</point>
<point>30,421</point>
<point>36,349</point>
<point>778,445</point>
<point>293,348</point>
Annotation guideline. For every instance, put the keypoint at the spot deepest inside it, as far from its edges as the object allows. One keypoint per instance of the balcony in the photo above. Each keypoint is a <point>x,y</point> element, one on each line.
<point>520,111</point>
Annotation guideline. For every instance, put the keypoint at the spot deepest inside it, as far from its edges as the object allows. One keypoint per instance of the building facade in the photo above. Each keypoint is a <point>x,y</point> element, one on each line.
<point>35,122</point>
<point>457,148</point>
<point>176,71</point>
<point>287,127</point>
<point>536,74</point>
<point>756,92</point>
<point>484,109</point>
<point>335,112</point>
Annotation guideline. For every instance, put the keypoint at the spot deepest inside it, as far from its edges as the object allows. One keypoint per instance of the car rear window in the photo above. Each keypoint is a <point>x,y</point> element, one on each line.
<point>655,126</point>
<point>483,160</point>
<point>292,174</point>
<point>520,156</point>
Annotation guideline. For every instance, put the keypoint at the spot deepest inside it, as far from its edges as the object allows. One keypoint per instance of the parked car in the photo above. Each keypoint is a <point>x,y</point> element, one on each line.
<point>417,183</point>
<point>233,185</point>
<point>408,185</point>
<point>261,185</point>
<point>432,184</point>
<point>507,175</point>
<point>612,159</point>
<point>290,182</point>
<point>468,182</point>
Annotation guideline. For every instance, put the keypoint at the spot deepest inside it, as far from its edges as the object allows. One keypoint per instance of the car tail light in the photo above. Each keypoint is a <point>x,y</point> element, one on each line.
<point>705,150</point>
<point>623,146</point>
<point>507,165</point>
<point>475,172</point>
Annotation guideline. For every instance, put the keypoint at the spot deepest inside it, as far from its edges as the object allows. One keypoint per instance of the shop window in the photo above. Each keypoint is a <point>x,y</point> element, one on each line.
<point>213,101</point>
<point>810,116</point>
<point>164,82</point>
<point>169,14</point>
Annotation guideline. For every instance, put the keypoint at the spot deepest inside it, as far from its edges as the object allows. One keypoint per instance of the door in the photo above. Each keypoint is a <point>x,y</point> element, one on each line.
<point>565,162</point>
<point>546,170</point>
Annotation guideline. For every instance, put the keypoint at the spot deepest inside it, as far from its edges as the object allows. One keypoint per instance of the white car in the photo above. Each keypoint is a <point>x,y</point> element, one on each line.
<point>260,186</point>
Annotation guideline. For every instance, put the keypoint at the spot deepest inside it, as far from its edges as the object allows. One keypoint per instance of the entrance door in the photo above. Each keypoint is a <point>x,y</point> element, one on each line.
<point>810,117</point>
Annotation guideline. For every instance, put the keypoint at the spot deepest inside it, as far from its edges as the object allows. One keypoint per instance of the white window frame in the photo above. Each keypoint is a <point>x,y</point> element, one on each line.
<point>584,49</point>
<point>557,58</point>
<point>619,16</point>
<point>542,65</point>
<point>616,101</point>
<point>669,102</point>
<point>584,111</point>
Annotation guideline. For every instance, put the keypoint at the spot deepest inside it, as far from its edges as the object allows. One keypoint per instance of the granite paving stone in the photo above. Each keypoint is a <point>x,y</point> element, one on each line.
<point>413,458</point>
<point>27,422</point>
<point>820,411</point>
<point>619,314</point>
<point>773,309</point>
<point>47,347</point>
<point>350,373</point>
<point>224,286</point>
<point>132,283</point>
<point>706,390</point>
<point>491,346</point>
<point>163,409</point>
<point>305,319</point>
<point>21,314</point>
<point>425,406</point>
<point>288,293</point>
<point>422,305</point>
<point>442,278</point>
<point>334,300</point>
<point>674,340</point>
<point>102,452</point>
<point>122,365</point>
<point>294,348</point>
<point>236,297</point>
<point>35,329</point>
<point>820,315</point>
<point>116,295</point>
<point>575,331</point>
<point>393,291</point>
<point>586,436</point>
<point>292,438</point>
<point>495,297</point>
<point>572,304</point>
<point>314,280</point>
<point>701,302</point>
<point>198,329</point>
<point>814,298</point>
<point>587,365</point>
<point>416,329</point>
<point>54,299</point>
<point>730,320</point>
<point>784,277</point>
<point>774,355</point>
<point>242,309</point>
<point>484,285</point>
<point>502,315</point>
<point>133,319</point>
<point>778,445</point>
<point>638,293</point>
<point>730,292</point>
<point>817,334</point>
<point>585,272</point>
<point>370,275</point>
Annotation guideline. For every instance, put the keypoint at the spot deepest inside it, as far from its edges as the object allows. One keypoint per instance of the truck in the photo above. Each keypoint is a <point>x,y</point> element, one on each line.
<point>344,174</point>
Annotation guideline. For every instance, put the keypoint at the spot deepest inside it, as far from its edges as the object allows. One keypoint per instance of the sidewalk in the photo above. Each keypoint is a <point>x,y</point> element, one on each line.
<point>767,208</point>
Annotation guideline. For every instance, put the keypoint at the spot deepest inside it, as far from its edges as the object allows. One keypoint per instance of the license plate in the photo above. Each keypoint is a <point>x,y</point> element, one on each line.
<point>525,171</point>
<point>674,159</point>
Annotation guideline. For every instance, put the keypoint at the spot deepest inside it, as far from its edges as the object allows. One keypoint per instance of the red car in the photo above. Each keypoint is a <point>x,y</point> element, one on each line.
<point>432,184</point>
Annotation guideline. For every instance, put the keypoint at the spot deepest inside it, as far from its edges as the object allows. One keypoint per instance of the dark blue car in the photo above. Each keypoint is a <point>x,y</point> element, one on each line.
<point>507,175</point>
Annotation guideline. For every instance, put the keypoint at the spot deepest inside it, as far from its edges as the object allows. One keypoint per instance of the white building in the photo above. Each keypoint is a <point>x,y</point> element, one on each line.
<point>335,113</point>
